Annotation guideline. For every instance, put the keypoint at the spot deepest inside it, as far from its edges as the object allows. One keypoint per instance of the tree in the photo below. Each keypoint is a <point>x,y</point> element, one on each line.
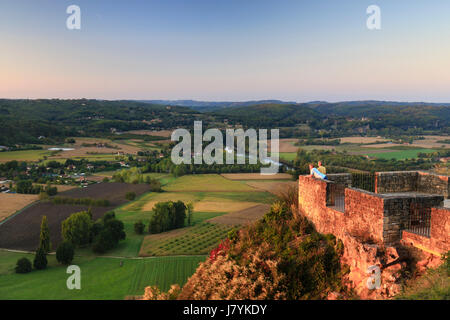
<point>190,211</point>
<point>51,191</point>
<point>24,186</point>
<point>167,216</point>
<point>109,231</point>
<point>180,214</point>
<point>139,227</point>
<point>40,259</point>
<point>116,228</point>
<point>130,196</point>
<point>45,236</point>
<point>103,242</point>
<point>23,266</point>
<point>179,170</point>
<point>77,228</point>
<point>108,216</point>
<point>65,253</point>
<point>43,196</point>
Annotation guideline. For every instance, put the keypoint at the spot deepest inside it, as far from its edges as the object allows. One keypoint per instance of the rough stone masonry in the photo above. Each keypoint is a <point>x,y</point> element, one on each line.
<point>374,226</point>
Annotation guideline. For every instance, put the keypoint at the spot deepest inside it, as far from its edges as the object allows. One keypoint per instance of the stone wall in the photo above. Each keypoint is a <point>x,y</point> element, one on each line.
<point>341,178</point>
<point>364,215</point>
<point>432,183</point>
<point>396,181</point>
<point>312,200</point>
<point>439,240</point>
<point>360,228</point>
<point>372,225</point>
<point>397,210</point>
<point>412,181</point>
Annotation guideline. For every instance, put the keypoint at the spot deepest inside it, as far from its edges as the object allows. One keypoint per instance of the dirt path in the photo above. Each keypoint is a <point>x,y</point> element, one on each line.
<point>109,257</point>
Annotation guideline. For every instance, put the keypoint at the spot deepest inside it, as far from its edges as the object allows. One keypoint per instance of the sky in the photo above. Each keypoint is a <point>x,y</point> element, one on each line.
<point>226,50</point>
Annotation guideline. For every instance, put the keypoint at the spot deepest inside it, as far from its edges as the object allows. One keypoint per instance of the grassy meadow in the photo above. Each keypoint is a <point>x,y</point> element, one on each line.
<point>159,259</point>
<point>101,278</point>
<point>26,155</point>
<point>401,154</point>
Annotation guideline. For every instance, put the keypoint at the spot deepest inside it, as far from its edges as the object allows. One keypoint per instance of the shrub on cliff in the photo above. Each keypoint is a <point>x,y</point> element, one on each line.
<point>153,293</point>
<point>257,277</point>
<point>433,285</point>
<point>279,257</point>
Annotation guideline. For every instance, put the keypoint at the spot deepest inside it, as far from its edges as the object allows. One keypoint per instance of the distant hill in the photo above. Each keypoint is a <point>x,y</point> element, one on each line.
<point>270,115</point>
<point>396,114</point>
<point>27,121</point>
<point>206,106</point>
<point>23,121</point>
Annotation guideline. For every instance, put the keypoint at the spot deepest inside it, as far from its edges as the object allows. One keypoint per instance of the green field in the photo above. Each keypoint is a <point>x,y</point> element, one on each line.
<point>178,251</point>
<point>143,145</point>
<point>257,196</point>
<point>207,183</point>
<point>101,278</point>
<point>288,156</point>
<point>164,178</point>
<point>401,154</point>
<point>27,155</point>
<point>196,240</point>
<point>388,152</point>
<point>131,245</point>
<point>96,157</point>
<point>36,155</point>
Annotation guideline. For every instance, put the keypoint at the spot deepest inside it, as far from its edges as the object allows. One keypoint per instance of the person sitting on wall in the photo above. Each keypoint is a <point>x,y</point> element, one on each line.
<point>321,168</point>
<point>316,173</point>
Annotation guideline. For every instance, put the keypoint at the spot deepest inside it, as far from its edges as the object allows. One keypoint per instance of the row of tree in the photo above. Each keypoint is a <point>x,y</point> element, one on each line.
<point>104,234</point>
<point>64,253</point>
<point>78,230</point>
<point>169,215</point>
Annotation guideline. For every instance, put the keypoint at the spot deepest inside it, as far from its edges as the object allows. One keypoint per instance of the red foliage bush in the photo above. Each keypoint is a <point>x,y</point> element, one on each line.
<point>221,249</point>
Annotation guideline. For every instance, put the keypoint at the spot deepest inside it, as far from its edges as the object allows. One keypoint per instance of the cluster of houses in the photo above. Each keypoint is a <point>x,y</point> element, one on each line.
<point>4,185</point>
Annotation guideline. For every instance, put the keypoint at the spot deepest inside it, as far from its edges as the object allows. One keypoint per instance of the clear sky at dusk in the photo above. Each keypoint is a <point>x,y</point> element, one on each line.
<point>226,50</point>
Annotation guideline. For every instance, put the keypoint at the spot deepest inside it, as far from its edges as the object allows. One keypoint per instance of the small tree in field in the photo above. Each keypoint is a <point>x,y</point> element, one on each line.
<point>190,211</point>
<point>130,196</point>
<point>111,232</point>
<point>65,253</point>
<point>77,228</point>
<point>44,242</point>
<point>103,242</point>
<point>23,266</point>
<point>139,227</point>
<point>40,260</point>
